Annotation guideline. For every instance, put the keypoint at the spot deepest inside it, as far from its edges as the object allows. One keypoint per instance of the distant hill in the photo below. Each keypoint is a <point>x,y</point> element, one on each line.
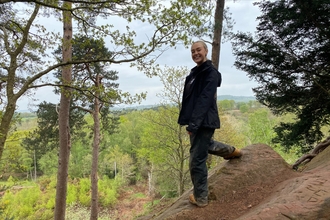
<point>219,98</point>
<point>236,98</point>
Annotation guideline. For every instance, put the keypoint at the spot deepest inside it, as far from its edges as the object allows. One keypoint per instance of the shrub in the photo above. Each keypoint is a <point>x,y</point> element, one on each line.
<point>37,201</point>
<point>72,194</point>
<point>21,204</point>
<point>108,190</point>
<point>84,196</point>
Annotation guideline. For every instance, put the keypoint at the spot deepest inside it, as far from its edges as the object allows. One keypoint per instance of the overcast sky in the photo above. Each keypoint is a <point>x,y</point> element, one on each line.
<point>234,82</point>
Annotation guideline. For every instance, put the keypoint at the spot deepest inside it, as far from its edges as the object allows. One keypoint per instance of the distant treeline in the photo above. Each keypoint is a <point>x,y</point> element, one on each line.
<point>236,98</point>
<point>25,114</point>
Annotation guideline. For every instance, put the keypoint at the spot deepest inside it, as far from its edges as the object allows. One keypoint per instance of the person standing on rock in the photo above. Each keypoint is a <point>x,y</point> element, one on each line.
<point>199,112</point>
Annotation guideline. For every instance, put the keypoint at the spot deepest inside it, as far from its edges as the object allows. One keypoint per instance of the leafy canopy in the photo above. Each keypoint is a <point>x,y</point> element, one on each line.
<point>289,57</point>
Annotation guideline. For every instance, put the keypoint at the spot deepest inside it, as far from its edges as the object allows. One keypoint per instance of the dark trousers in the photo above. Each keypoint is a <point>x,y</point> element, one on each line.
<point>201,144</point>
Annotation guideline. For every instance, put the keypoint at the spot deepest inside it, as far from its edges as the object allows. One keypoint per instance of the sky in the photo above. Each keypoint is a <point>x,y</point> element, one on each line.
<point>234,82</point>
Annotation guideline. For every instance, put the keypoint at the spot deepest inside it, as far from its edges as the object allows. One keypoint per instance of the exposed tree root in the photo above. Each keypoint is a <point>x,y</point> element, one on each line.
<point>308,157</point>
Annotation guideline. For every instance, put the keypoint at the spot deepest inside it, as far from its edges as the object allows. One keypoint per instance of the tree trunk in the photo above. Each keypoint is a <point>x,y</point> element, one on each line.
<point>217,32</point>
<point>150,181</point>
<point>35,165</point>
<point>5,123</point>
<point>96,143</point>
<point>64,113</point>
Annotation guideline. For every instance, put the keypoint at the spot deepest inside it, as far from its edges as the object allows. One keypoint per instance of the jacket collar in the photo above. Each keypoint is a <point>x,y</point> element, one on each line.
<point>197,69</point>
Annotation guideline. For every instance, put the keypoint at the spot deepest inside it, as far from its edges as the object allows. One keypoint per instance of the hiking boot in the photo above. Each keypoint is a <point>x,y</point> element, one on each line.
<point>193,201</point>
<point>236,154</point>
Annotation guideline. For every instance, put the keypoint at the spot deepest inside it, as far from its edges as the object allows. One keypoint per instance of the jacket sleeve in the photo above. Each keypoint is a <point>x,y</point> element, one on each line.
<point>204,101</point>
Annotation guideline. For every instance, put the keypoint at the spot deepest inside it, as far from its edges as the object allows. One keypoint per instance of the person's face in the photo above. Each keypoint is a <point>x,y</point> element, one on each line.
<point>198,53</point>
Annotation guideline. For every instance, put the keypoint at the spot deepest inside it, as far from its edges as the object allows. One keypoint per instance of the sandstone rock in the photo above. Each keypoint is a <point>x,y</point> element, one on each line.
<point>260,185</point>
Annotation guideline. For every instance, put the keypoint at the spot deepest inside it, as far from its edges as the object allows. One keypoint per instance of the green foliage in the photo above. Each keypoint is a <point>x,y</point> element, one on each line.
<point>15,158</point>
<point>108,191</point>
<point>37,200</point>
<point>140,147</point>
<point>139,195</point>
<point>290,156</point>
<point>11,181</point>
<point>231,131</point>
<point>21,204</point>
<point>49,162</point>
<point>115,163</point>
<point>144,146</point>
<point>226,104</point>
<point>84,197</point>
<point>162,154</point>
<point>128,135</point>
<point>96,79</point>
<point>26,59</point>
<point>72,194</point>
<point>244,108</point>
<point>289,58</point>
<point>44,138</point>
<point>80,159</point>
<point>260,127</point>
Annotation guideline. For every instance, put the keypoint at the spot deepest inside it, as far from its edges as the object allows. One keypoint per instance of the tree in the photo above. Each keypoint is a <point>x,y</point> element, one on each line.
<point>45,137</point>
<point>119,163</point>
<point>171,24</point>
<point>94,97</point>
<point>16,158</point>
<point>96,144</point>
<point>94,92</point>
<point>260,126</point>
<point>165,144</point>
<point>18,53</point>
<point>98,91</point>
<point>217,33</point>
<point>227,104</point>
<point>289,57</point>
<point>216,30</point>
<point>63,117</point>
<point>25,43</point>
<point>177,143</point>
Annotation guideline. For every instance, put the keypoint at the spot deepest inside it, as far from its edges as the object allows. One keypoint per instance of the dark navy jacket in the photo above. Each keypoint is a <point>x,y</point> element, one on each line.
<point>199,100</point>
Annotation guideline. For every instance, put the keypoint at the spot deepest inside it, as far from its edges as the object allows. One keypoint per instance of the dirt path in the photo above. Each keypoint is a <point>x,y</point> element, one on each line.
<point>131,203</point>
